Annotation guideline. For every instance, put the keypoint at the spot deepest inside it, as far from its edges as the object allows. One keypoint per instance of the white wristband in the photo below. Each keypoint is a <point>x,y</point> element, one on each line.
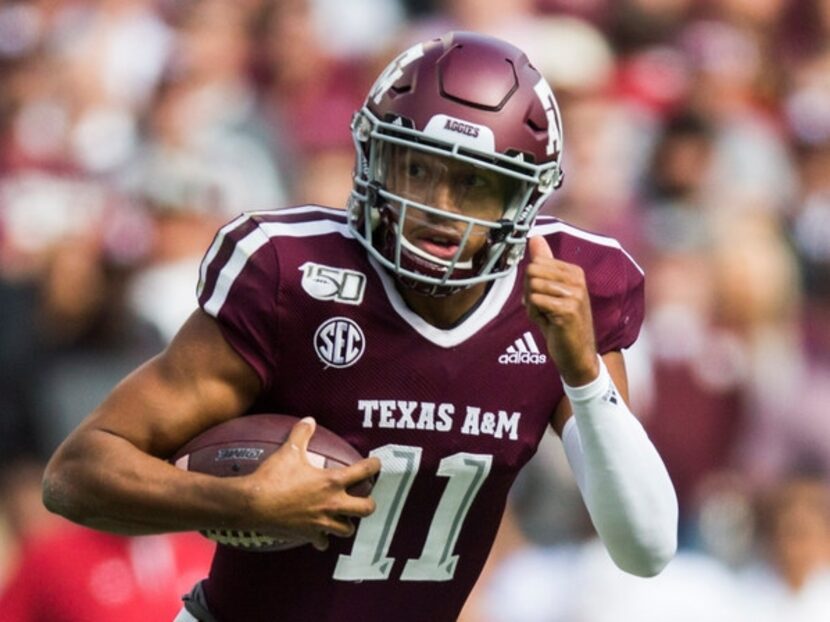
<point>596,388</point>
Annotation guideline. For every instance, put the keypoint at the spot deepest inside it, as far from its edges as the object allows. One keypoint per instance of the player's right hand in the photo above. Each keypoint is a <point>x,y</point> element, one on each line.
<point>291,498</point>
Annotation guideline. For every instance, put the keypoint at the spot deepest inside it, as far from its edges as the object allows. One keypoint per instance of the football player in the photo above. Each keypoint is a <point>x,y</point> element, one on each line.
<point>437,325</point>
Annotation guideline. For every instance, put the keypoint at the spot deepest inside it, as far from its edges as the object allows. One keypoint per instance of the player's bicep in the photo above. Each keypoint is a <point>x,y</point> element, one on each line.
<point>198,381</point>
<point>615,363</point>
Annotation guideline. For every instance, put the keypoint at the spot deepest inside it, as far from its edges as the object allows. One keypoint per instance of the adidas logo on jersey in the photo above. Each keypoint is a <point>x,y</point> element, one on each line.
<point>523,351</point>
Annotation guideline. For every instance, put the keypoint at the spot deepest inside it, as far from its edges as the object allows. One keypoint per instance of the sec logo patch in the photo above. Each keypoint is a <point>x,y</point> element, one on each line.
<point>339,342</point>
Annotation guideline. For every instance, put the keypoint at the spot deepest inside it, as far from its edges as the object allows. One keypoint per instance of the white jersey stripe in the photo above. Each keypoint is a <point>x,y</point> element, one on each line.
<point>530,342</point>
<point>520,345</point>
<point>305,229</point>
<point>246,247</point>
<point>305,209</point>
<point>251,243</point>
<point>214,250</point>
<point>300,209</point>
<point>561,227</point>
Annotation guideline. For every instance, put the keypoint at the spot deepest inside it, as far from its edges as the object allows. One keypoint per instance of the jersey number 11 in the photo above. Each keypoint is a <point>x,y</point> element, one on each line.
<point>369,561</point>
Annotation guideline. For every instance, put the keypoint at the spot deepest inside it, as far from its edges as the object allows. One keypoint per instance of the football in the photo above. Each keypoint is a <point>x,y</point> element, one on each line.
<point>238,446</point>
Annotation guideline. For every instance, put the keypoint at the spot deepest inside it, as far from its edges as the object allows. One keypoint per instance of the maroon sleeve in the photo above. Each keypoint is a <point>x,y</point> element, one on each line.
<point>623,313</point>
<point>238,284</point>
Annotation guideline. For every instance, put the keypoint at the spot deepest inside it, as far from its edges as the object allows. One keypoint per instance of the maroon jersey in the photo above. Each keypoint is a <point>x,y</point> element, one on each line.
<point>453,414</point>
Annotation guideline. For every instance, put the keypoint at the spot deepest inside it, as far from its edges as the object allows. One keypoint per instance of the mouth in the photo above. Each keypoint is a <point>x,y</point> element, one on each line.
<point>442,244</point>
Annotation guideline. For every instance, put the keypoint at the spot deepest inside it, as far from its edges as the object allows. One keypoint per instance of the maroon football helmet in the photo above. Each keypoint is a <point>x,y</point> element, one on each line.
<point>466,109</point>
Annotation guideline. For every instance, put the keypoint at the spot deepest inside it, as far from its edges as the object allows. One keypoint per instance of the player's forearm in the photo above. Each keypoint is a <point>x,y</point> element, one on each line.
<point>622,478</point>
<point>102,481</point>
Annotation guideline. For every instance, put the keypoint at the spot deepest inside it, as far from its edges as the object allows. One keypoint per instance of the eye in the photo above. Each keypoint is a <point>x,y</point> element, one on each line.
<point>474,180</point>
<point>416,170</point>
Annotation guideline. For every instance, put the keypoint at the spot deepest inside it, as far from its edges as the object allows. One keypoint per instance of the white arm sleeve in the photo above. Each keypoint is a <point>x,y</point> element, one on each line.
<point>622,478</point>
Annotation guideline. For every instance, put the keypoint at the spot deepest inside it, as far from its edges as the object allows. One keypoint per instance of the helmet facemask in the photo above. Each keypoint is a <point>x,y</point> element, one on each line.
<point>441,217</point>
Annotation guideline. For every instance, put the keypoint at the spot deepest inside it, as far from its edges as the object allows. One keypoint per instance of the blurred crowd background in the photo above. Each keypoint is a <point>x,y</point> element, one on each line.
<point>697,132</point>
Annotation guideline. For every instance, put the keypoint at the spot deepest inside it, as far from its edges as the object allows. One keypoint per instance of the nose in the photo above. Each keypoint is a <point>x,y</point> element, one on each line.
<point>444,197</point>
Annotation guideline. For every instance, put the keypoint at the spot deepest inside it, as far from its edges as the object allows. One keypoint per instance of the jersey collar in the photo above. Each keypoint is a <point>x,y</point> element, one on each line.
<point>492,304</point>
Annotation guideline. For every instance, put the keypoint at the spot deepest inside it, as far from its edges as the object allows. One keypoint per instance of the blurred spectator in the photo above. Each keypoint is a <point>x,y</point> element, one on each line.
<point>36,114</point>
<point>578,581</point>
<point>310,96</point>
<point>54,570</point>
<point>108,83</point>
<point>78,92</point>
<point>207,115</point>
<point>792,580</point>
<point>74,574</point>
<point>721,314</point>
<point>674,193</point>
<point>639,24</point>
<point>358,28</point>
<point>604,139</point>
<point>87,338</point>
<point>751,162</point>
<point>575,57</point>
<point>186,204</point>
<point>65,255</point>
<point>793,385</point>
<point>699,368</point>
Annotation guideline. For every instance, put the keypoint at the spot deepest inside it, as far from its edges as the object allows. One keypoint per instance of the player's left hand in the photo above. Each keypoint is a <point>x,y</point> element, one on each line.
<point>557,300</point>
